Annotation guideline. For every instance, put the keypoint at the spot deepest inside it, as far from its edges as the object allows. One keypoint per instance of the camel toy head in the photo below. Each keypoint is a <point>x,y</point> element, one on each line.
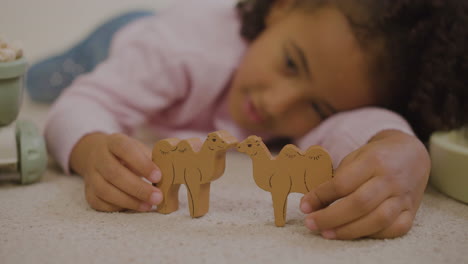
<point>220,140</point>
<point>252,146</point>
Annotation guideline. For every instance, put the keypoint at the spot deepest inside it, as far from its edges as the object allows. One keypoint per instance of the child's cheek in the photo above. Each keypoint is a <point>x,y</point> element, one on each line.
<point>298,125</point>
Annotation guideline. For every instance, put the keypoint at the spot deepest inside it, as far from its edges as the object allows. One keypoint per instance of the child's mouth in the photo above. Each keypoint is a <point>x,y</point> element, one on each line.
<point>251,111</point>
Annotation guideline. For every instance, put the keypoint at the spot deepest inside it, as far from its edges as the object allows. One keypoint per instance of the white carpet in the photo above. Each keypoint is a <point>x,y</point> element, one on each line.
<point>50,222</point>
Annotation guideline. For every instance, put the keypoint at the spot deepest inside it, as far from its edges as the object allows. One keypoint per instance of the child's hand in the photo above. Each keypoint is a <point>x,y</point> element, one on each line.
<point>377,188</point>
<point>112,167</point>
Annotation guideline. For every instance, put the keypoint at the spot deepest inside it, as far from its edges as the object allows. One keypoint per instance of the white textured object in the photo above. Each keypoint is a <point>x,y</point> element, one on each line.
<point>449,155</point>
<point>9,52</point>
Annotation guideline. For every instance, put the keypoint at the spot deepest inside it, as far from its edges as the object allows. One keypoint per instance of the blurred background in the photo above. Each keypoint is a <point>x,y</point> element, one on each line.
<point>43,27</point>
<point>46,27</point>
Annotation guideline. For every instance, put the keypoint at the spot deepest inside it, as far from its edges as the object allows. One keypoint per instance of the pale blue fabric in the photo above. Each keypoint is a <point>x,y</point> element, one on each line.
<point>46,79</point>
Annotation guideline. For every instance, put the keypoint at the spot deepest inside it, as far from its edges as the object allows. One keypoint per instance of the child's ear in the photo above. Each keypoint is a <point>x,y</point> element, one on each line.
<point>278,11</point>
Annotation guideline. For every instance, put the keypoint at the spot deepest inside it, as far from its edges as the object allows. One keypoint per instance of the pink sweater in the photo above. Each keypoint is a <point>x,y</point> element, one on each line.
<point>171,72</point>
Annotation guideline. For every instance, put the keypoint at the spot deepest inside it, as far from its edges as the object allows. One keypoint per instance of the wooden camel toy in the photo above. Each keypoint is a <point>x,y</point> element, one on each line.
<point>290,171</point>
<point>194,164</point>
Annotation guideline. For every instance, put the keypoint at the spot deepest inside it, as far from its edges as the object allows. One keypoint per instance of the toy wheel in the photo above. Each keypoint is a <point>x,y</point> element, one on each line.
<point>31,151</point>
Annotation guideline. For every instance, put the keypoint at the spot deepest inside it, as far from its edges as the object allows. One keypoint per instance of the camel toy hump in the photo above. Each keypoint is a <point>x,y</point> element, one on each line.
<point>165,146</point>
<point>185,157</point>
<point>190,145</point>
<point>290,151</point>
<point>319,166</point>
<point>318,153</point>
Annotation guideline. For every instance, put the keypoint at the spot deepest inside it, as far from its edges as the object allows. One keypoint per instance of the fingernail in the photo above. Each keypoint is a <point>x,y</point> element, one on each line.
<point>306,208</point>
<point>329,234</point>
<point>144,207</point>
<point>156,198</point>
<point>155,176</point>
<point>310,223</point>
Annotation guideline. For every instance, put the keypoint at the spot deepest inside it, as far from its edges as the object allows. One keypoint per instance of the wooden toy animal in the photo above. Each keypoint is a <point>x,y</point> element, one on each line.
<point>290,171</point>
<point>194,164</point>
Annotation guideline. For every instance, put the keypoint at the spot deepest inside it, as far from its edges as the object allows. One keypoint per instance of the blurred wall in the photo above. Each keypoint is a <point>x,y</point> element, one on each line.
<point>43,27</point>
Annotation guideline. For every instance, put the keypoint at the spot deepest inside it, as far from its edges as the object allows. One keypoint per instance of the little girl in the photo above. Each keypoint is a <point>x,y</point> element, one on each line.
<point>313,71</point>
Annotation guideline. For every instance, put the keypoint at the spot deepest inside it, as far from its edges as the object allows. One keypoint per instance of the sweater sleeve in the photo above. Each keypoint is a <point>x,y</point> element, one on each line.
<point>345,132</point>
<point>136,81</point>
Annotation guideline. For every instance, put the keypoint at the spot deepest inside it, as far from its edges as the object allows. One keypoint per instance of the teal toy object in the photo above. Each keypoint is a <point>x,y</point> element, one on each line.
<point>23,156</point>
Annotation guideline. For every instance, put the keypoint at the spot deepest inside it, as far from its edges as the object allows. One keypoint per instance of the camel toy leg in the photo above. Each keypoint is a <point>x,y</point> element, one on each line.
<point>170,202</point>
<point>198,194</point>
<point>281,187</point>
<point>201,201</point>
<point>280,202</point>
<point>163,157</point>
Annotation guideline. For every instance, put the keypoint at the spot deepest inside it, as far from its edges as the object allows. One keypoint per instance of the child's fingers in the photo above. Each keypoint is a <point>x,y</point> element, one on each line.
<point>111,195</point>
<point>122,178</point>
<point>155,176</point>
<point>145,149</point>
<point>131,153</point>
<point>354,206</point>
<point>379,219</point>
<point>114,196</point>
<point>98,204</point>
<point>352,173</point>
<point>399,227</point>
<point>103,206</point>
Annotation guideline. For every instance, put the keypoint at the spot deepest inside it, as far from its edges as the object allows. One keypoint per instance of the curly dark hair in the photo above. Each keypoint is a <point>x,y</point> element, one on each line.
<point>423,66</point>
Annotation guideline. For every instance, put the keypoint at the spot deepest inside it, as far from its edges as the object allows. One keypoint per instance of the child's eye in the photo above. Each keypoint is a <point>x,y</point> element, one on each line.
<point>290,64</point>
<point>319,110</point>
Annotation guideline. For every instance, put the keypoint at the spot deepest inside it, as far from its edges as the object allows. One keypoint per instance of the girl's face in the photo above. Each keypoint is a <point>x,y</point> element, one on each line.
<point>304,67</point>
